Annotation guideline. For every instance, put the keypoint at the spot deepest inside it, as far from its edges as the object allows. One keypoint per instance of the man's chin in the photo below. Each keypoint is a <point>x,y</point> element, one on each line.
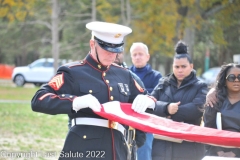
<point>107,63</point>
<point>138,66</point>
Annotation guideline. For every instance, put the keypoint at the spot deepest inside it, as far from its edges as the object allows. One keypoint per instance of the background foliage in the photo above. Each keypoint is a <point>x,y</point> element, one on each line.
<point>26,33</point>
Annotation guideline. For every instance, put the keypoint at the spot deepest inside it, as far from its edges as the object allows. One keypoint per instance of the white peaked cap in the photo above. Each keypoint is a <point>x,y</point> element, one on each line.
<point>109,32</point>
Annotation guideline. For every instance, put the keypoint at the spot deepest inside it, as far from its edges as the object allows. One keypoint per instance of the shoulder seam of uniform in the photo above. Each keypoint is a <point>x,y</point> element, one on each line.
<point>116,65</point>
<point>75,64</point>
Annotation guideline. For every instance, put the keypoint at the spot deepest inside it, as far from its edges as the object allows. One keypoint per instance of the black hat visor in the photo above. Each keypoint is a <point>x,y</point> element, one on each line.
<point>115,48</point>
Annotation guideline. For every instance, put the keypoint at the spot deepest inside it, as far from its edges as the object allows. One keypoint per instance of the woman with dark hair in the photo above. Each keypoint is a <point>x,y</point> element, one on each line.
<point>227,91</point>
<point>180,97</point>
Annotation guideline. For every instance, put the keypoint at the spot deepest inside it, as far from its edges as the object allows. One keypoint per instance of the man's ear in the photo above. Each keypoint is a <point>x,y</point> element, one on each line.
<point>148,57</point>
<point>92,44</point>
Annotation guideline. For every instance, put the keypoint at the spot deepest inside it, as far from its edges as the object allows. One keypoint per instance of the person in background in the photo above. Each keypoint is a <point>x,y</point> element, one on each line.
<point>140,57</point>
<point>180,97</point>
<point>79,88</point>
<point>227,92</point>
<point>120,61</point>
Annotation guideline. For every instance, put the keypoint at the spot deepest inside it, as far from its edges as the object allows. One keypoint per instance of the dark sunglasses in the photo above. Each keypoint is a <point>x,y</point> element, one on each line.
<point>232,77</point>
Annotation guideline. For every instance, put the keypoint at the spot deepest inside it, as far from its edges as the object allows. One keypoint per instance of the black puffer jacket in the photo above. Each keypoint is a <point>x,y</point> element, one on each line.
<point>191,94</point>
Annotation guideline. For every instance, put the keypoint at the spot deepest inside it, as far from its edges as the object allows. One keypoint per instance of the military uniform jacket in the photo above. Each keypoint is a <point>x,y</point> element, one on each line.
<point>78,79</point>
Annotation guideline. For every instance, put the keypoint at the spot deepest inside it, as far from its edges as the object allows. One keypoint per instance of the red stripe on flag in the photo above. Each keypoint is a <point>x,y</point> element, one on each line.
<point>166,127</point>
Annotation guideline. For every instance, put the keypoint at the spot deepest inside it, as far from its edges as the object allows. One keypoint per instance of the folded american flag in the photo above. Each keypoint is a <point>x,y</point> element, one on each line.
<point>122,113</point>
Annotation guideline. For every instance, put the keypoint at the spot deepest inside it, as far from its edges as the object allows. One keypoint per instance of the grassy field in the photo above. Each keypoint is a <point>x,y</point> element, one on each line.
<point>16,93</point>
<point>28,133</point>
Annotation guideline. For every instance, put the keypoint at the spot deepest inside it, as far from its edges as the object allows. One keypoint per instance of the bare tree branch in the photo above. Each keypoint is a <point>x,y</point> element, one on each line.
<point>73,46</point>
<point>213,11</point>
<point>69,48</point>
<point>30,43</point>
<point>78,22</point>
<point>216,8</point>
<point>48,25</point>
<point>77,15</point>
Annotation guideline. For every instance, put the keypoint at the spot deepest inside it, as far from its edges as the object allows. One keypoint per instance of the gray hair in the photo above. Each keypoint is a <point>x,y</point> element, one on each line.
<point>136,44</point>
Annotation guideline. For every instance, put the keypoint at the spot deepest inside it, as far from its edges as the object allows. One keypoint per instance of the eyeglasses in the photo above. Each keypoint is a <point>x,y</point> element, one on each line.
<point>232,77</point>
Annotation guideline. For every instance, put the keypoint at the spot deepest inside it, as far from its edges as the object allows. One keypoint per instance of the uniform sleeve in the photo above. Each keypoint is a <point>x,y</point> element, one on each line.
<point>160,106</point>
<point>55,96</point>
<point>155,82</point>
<point>193,110</point>
<point>140,138</point>
<point>135,89</point>
<point>209,117</point>
<point>137,79</point>
<point>236,151</point>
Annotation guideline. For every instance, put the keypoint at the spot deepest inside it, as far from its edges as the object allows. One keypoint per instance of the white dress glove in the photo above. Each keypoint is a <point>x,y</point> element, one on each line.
<point>142,102</point>
<point>86,101</point>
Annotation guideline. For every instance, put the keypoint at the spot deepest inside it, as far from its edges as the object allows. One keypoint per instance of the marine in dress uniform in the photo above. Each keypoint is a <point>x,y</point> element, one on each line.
<point>80,87</point>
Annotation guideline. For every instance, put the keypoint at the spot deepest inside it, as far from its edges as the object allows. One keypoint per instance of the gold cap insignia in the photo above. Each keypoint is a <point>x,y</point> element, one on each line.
<point>117,35</point>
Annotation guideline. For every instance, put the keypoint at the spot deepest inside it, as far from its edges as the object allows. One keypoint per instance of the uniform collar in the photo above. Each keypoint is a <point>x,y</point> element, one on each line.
<point>95,64</point>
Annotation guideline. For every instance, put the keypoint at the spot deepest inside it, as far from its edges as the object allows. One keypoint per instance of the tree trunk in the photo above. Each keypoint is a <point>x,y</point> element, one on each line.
<point>168,65</point>
<point>189,39</point>
<point>125,12</point>
<point>55,33</point>
<point>93,10</point>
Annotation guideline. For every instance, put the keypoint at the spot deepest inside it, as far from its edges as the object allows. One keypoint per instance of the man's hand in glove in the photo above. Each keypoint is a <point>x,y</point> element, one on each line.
<point>142,102</point>
<point>86,101</point>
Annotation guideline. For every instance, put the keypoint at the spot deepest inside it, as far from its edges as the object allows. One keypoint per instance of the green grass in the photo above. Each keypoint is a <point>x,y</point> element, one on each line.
<point>17,93</point>
<point>22,130</point>
<point>20,119</point>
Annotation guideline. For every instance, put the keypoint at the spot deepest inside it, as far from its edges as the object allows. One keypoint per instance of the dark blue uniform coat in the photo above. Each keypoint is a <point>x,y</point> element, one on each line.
<point>106,84</point>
